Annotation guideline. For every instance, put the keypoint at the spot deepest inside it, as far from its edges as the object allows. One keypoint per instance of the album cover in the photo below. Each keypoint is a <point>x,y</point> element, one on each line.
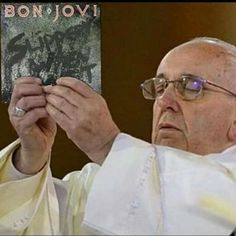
<point>50,40</point>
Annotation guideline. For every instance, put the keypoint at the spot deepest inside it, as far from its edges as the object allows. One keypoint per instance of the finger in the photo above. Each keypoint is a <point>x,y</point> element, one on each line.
<point>79,86</point>
<point>67,93</point>
<point>61,119</point>
<point>21,90</point>
<point>31,117</point>
<point>29,102</point>
<point>62,105</point>
<point>28,80</point>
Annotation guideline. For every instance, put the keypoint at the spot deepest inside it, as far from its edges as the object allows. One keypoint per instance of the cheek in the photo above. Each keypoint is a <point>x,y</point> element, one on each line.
<point>156,116</point>
<point>207,126</point>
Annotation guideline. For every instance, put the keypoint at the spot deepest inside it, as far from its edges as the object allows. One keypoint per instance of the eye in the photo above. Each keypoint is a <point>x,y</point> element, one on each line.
<point>192,84</point>
<point>160,86</point>
<point>189,88</point>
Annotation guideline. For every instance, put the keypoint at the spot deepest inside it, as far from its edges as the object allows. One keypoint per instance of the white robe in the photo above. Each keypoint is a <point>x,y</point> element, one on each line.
<point>141,189</point>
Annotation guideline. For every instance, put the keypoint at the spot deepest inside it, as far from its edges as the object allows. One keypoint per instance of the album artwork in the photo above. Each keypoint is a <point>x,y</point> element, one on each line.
<point>50,40</point>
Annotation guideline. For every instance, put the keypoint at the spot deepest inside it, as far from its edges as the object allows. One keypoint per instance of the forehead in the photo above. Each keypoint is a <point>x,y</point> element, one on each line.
<point>206,60</point>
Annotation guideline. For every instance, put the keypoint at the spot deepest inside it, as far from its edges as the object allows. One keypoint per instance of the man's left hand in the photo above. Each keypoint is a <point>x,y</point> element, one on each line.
<point>84,115</point>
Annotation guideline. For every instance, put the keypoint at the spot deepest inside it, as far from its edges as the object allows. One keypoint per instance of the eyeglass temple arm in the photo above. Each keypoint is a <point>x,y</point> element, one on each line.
<point>218,86</point>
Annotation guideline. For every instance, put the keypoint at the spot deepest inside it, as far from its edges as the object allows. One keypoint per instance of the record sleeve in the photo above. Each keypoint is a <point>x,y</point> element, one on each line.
<point>49,41</point>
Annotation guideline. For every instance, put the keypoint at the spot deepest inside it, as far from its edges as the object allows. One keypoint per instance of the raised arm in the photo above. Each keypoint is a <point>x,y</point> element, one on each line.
<point>84,115</point>
<point>32,123</point>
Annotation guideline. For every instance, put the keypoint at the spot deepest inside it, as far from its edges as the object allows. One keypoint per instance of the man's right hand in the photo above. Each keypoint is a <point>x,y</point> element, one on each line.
<point>35,128</point>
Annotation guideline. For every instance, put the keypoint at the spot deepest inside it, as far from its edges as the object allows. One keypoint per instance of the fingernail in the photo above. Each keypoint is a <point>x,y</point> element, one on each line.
<point>47,88</point>
<point>58,81</point>
<point>38,80</point>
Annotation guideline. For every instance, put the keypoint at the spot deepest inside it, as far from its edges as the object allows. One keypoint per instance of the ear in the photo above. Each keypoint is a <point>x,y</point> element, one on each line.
<point>232,132</point>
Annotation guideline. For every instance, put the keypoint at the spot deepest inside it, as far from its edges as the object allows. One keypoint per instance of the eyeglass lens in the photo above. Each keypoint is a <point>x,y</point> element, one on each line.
<point>188,87</point>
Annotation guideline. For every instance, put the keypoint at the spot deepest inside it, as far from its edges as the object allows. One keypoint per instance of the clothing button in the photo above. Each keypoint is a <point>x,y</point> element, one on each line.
<point>135,204</point>
<point>152,154</point>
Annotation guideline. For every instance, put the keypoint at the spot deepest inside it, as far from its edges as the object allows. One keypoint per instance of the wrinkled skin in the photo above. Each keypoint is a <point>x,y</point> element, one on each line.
<point>205,125</point>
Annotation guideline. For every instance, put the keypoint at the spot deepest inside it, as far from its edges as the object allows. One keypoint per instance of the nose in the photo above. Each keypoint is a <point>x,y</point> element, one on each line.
<point>168,100</point>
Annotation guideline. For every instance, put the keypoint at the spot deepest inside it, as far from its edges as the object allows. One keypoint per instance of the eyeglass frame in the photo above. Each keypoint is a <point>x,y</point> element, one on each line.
<point>203,81</point>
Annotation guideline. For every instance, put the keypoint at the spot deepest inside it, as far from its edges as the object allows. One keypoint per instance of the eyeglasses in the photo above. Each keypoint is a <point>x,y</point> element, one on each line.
<point>188,87</point>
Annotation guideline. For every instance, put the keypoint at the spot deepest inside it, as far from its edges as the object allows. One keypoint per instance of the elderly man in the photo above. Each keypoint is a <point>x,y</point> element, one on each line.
<point>182,183</point>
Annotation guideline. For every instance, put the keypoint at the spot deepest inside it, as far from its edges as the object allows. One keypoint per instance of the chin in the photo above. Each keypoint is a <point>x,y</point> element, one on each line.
<point>171,143</point>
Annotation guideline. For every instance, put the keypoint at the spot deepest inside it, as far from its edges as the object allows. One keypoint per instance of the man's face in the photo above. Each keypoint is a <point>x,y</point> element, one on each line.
<point>200,126</point>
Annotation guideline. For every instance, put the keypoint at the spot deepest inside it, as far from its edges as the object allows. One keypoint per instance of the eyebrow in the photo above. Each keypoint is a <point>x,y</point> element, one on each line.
<point>162,75</point>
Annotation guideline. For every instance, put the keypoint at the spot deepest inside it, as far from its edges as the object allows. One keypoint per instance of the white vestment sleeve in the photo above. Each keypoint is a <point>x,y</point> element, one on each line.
<point>144,189</point>
<point>28,206</point>
<point>40,204</point>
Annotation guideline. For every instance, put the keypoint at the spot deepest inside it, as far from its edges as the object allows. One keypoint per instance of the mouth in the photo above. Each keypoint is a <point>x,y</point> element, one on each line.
<point>167,126</point>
